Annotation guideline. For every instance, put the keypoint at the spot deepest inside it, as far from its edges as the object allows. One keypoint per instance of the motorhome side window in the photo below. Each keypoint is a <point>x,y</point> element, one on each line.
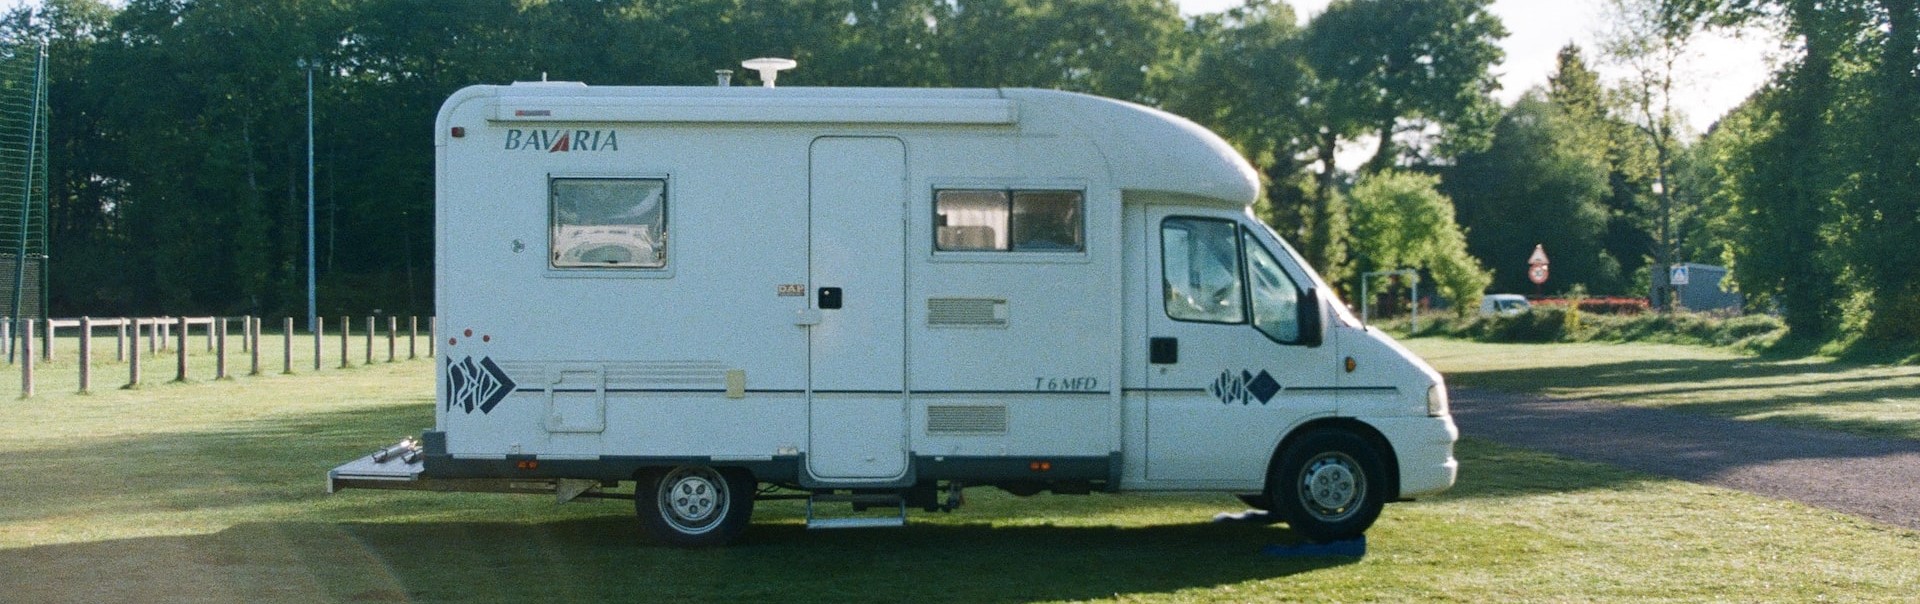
<point>1201,262</point>
<point>995,220</point>
<point>608,222</point>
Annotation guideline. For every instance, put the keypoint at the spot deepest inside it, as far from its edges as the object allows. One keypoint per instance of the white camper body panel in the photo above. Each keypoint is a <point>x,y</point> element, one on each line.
<point>634,362</point>
<point>795,312</point>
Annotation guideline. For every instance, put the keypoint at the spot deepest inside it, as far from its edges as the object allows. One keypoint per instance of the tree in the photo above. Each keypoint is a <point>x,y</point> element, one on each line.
<point>1650,38</point>
<point>1535,185</point>
<point>1398,68</point>
<point>1241,81</point>
<point>1391,69</point>
<point>1594,127</point>
<point>1400,220</point>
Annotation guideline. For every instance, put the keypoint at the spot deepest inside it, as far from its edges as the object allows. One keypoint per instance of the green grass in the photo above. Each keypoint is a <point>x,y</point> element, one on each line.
<point>213,492</point>
<point>1816,392</point>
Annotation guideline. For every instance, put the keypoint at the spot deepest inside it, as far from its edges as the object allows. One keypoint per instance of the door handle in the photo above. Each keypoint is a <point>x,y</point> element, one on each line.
<point>1163,351</point>
<point>830,298</point>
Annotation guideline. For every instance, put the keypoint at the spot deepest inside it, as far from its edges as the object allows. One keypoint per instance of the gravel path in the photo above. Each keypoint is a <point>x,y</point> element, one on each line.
<point>1871,477</point>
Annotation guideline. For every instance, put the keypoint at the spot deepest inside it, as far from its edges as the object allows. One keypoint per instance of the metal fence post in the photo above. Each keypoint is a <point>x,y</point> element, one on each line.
<point>26,358</point>
<point>319,328</point>
<point>393,325</point>
<point>370,330</point>
<point>286,351</point>
<point>86,353</point>
<point>413,337</point>
<point>253,341</point>
<point>220,350</point>
<point>180,366</point>
<point>346,334</point>
<point>133,355</point>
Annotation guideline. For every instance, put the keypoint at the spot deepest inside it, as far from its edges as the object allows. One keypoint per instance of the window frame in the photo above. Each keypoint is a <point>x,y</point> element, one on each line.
<point>666,268</point>
<point>1011,194</point>
<point>1248,237</point>
<point>1243,236</point>
<point>1240,267</point>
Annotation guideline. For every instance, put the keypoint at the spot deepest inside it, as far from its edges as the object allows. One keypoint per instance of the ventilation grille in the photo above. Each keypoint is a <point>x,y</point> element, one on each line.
<point>966,312</point>
<point>966,419</point>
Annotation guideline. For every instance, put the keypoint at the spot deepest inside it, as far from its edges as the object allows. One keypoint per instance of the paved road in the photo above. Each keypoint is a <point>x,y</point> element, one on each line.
<point>1871,477</point>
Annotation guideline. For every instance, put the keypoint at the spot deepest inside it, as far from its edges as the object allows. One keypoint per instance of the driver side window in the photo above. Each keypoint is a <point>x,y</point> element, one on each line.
<point>1201,263</point>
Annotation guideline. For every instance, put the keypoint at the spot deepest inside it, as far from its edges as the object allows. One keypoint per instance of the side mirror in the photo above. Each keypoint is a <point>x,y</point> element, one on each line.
<point>1313,319</point>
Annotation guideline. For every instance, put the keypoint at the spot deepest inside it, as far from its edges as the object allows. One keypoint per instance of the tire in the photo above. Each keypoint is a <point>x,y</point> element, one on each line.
<point>1329,485</point>
<point>694,506</point>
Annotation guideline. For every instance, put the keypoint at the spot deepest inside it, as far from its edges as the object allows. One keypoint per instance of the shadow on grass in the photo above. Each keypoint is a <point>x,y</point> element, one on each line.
<point>598,559</point>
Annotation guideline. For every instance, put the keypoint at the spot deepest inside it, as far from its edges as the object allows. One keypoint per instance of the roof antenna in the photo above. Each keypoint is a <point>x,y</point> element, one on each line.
<point>769,68</point>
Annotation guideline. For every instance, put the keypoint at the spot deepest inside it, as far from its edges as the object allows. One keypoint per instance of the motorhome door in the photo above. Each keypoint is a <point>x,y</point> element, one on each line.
<point>1228,369</point>
<point>857,411</point>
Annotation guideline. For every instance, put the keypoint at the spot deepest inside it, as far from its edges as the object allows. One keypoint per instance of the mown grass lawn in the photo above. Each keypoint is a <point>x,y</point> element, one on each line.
<point>1814,392</point>
<point>213,492</point>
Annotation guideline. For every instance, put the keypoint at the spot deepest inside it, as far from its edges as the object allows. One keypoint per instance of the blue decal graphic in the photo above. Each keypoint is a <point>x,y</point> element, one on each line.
<point>473,385</point>
<point>1244,388</point>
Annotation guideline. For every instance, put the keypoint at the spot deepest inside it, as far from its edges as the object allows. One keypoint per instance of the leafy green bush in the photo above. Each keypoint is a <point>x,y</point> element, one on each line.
<point>1550,324</point>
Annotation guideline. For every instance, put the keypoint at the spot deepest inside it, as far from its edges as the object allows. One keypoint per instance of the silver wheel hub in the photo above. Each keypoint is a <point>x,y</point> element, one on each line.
<point>694,498</point>
<point>1331,486</point>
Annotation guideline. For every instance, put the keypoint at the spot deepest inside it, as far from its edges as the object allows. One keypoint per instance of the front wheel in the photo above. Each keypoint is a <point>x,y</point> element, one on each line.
<point>694,506</point>
<point>1329,485</point>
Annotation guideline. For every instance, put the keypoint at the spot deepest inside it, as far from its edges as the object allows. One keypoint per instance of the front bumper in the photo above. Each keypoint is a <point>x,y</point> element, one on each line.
<point>1424,448</point>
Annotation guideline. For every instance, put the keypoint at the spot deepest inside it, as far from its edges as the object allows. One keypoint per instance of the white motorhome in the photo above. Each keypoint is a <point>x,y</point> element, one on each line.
<point>877,296</point>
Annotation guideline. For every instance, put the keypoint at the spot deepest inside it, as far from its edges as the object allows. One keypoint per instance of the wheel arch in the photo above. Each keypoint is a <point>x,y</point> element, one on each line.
<point>1389,458</point>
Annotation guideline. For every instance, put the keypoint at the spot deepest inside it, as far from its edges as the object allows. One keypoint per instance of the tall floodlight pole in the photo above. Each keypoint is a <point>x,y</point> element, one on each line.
<point>312,311</point>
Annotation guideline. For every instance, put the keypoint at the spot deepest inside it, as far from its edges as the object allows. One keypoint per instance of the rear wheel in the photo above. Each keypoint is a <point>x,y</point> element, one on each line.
<point>1329,485</point>
<point>694,506</point>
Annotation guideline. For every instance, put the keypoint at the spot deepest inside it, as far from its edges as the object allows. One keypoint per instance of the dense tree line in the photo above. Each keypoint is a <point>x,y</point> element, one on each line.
<point>179,144</point>
<point>180,147</point>
<point>1812,188</point>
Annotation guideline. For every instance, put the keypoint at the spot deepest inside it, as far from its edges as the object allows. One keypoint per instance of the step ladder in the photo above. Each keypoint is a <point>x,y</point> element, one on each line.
<point>858,500</point>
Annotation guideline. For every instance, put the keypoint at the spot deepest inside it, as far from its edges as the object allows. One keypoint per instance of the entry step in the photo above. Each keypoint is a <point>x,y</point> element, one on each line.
<point>860,502</point>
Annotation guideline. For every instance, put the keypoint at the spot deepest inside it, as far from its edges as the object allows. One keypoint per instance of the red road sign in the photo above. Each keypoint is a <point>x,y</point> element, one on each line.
<point>1537,274</point>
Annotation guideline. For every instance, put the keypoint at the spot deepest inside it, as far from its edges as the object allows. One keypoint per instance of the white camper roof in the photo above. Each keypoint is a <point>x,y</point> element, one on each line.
<point>1145,149</point>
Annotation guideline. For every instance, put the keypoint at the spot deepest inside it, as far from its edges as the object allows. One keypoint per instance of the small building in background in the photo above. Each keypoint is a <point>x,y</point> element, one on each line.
<point>1702,291</point>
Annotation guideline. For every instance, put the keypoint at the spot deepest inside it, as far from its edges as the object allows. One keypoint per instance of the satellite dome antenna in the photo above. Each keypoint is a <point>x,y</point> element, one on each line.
<point>769,68</point>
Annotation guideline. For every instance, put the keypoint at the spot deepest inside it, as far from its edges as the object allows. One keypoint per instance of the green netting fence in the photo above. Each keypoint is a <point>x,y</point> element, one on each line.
<point>23,180</point>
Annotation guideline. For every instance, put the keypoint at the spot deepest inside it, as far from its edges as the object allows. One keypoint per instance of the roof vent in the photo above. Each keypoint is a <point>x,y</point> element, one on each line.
<point>769,68</point>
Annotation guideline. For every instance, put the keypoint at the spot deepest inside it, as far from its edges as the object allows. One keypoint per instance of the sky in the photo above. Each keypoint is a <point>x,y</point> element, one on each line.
<point>1721,74</point>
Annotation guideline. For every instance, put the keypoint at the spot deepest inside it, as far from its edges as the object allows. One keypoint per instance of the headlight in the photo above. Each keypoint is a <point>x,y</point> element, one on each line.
<point>1437,400</point>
